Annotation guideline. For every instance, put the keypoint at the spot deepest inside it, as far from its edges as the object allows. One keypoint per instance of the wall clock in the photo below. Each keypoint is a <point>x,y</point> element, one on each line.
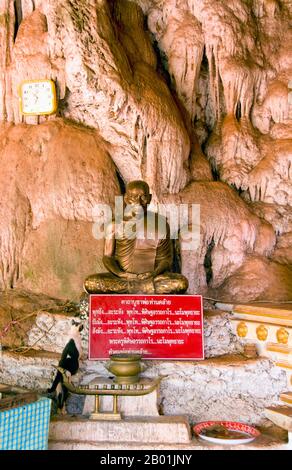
<point>38,97</point>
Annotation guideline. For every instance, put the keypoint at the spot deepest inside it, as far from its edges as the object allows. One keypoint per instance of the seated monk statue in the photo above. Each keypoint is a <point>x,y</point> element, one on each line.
<point>138,251</point>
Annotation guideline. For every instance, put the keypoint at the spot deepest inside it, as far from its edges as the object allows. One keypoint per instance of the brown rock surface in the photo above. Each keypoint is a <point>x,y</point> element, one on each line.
<point>227,226</point>
<point>283,250</point>
<point>57,173</point>
<point>279,216</point>
<point>230,64</point>
<point>257,279</point>
<point>237,94</point>
<point>18,312</point>
<point>105,68</point>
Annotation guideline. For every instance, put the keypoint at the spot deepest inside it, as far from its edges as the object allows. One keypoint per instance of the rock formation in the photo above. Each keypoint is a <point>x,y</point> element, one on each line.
<point>52,177</point>
<point>190,95</point>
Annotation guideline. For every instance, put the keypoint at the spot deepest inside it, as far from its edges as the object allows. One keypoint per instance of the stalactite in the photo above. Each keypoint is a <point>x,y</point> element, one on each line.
<point>7,21</point>
<point>213,59</point>
<point>182,42</point>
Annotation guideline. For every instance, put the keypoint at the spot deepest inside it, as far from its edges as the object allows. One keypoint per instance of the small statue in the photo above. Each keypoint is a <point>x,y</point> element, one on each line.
<point>69,362</point>
<point>139,261</point>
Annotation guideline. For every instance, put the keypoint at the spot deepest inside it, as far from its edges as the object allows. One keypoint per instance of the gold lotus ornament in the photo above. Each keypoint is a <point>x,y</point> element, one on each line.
<point>282,336</point>
<point>262,333</point>
<point>242,329</point>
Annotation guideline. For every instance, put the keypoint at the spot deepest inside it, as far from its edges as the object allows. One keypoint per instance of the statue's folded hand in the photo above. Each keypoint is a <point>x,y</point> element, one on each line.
<point>128,276</point>
<point>144,276</point>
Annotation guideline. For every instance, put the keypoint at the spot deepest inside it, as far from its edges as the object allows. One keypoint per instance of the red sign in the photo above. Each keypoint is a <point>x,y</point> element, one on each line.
<point>156,326</point>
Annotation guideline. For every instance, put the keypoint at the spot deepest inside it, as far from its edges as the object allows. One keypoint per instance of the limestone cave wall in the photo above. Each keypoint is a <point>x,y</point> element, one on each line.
<point>190,95</point>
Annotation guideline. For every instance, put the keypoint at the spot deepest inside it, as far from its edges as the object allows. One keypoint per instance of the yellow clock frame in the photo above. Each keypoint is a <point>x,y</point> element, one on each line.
<point>39,113</point>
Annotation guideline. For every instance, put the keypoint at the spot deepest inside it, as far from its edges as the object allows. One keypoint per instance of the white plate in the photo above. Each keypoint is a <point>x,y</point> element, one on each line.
<point>228,442</point>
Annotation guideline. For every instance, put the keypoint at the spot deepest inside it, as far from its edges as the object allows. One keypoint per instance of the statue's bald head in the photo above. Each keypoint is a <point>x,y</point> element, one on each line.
<point>138,184</point>
<point>138,192</point>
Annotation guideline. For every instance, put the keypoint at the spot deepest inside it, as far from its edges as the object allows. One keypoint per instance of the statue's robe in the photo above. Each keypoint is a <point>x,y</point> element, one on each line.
<point>139,248</point>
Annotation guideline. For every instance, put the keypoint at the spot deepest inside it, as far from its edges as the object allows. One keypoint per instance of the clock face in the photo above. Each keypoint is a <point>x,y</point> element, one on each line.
<point>38,97</point>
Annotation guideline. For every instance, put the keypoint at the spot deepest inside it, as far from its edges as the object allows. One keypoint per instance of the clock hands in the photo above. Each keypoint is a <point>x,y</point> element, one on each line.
<point>36,97</point>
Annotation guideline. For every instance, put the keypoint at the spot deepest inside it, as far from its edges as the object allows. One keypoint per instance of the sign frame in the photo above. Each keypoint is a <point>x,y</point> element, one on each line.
<point>200,297</point>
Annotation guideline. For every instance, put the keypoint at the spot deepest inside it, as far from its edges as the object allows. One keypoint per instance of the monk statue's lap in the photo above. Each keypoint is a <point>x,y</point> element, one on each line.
<point>138,251</point>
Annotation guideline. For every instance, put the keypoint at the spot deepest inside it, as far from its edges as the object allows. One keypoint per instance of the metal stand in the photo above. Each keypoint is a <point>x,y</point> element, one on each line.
<point>105,415</point>
<point>106,386</point>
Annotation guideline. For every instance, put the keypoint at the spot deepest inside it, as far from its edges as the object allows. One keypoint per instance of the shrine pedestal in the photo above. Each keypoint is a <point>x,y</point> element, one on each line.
<point>159,430</point>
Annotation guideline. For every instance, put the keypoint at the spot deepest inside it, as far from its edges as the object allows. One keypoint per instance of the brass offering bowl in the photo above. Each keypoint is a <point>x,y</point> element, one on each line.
<point>126,367</point>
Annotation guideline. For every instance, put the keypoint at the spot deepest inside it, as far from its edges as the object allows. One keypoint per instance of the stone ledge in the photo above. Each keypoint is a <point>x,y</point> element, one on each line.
<point>163,429</point>
<point>262,443</point>
<point>32,370</point>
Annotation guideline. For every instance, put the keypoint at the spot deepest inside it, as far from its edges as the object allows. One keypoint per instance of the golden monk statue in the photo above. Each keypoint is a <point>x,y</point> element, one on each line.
<point>138,251</point>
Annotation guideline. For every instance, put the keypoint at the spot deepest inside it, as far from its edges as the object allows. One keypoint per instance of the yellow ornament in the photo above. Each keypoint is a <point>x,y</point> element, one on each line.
<point>282,336</point>
<point>242,329</point>
<point>262,333</point>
